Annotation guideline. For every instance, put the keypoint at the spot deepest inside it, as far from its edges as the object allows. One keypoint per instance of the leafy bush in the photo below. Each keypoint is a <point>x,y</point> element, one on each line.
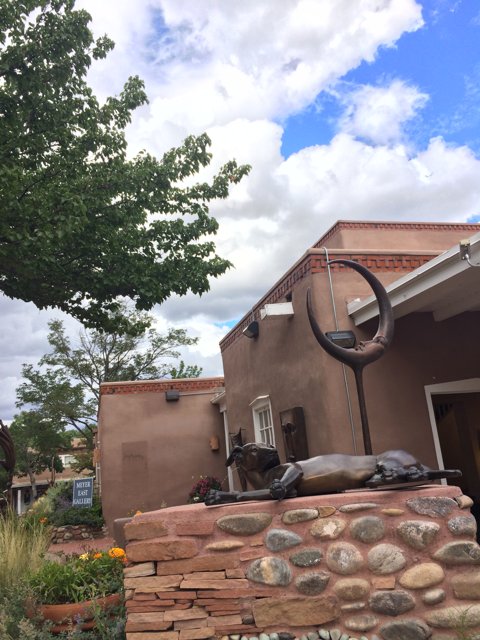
<point>80,578</point>
<point>85,515</point>
<point>57,507</point>
<point>200,489</point>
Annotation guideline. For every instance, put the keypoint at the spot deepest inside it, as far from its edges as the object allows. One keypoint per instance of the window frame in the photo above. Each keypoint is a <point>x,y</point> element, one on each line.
<point>263,434</point>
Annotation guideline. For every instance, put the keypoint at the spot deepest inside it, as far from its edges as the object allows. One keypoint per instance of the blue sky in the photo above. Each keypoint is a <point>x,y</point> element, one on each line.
<point>442,59</point>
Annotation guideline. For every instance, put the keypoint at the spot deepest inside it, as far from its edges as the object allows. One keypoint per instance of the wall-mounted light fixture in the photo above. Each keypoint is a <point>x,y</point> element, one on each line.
<point>252,330</point>
<point>345,339</point>
<point>172,395</point>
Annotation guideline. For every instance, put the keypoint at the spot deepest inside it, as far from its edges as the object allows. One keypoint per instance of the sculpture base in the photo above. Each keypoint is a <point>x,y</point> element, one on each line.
<point>386,563</point>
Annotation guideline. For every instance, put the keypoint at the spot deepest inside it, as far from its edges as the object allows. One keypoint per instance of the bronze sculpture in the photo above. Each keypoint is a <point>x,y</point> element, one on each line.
<point>322,474</point>
<point>366,352</point>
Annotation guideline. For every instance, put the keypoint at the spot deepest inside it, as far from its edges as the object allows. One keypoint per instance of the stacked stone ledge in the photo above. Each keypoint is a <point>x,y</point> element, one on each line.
<point>374,565</point>
<point>72,532</point>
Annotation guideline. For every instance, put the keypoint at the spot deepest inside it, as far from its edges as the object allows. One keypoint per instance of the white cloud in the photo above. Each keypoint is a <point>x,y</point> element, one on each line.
<point>377,114</point>
<point>238,69</point>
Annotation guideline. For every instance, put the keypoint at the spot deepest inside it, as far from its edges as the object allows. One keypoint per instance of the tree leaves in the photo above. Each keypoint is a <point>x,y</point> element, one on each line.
<point>80,225</point>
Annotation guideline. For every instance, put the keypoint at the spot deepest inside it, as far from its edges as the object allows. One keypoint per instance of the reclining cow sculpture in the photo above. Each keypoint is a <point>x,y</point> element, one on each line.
<point>328,473</point>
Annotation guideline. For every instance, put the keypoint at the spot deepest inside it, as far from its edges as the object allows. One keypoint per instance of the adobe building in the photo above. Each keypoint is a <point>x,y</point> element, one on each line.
<point>155,439</point>
<point>422,396</point>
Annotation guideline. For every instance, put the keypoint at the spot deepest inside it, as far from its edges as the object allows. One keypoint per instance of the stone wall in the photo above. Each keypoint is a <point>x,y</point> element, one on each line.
<point>391,565</point>
<point>71,532</point>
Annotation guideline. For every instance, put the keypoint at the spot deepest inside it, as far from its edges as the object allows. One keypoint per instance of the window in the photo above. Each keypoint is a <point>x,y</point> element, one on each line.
<point>262,420</point>
<point>67,460</point>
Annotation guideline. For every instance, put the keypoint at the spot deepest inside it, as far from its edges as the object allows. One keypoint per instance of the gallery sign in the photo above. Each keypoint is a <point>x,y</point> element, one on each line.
<point>82,492</point>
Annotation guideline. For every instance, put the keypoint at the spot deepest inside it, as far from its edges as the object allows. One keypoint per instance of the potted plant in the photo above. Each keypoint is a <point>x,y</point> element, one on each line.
<point>71,592</point>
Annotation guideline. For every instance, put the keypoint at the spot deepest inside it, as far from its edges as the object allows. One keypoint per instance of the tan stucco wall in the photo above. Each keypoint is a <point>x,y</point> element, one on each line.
<point>286,363</point>
<point>153,451</point>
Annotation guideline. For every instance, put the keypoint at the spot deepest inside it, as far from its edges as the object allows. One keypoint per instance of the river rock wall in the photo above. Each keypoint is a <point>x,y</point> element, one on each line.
<point>390,565</point>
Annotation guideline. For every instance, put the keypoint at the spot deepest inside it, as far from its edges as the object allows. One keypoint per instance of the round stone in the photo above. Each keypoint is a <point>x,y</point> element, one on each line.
<point>434,507</point>
<point>463,526</point>
<point>457,617</point>
<point>270,570</point>
<point>434,596</point>
<point>246,524</point>
<point>357,506</point>
<point>456,553</point>
<point>328,528</point>
<point>312,635</point>
<point>224,545</point>
<point>351,588</point>
<point>418,534</point>
<point>363,622</point>
<point>312,583</point>
<point>391,603</point>
<point>466,586</point>
<point>353,606</point>
<point>306,557</point>
<point>367,529</point>
<point>299,515</point>
<point>344,558</point>
<point>385,558</point>
<point>264,636</point>
<point>325,511</point>
<point>422,576</point>
<point>464,502</point>
<point>393,512</point>
<point>410,629</point>
<point>280,539</point>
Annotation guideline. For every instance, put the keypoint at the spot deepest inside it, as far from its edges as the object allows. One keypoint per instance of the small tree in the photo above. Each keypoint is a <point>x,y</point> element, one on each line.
<point>37,444</point>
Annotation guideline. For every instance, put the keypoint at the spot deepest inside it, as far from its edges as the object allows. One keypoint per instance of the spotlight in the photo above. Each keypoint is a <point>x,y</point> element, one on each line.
<point>252,330</point>
<point>345,339</point>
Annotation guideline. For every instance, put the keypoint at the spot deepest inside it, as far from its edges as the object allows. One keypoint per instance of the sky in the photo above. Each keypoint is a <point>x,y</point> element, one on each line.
<point>345,109</point>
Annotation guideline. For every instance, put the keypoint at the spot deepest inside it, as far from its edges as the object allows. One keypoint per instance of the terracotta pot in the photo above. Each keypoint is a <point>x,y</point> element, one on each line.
<point>64,616</point>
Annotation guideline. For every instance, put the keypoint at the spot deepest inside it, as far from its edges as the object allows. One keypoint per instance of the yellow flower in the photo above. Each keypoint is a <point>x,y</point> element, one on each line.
<point>138,513</point>
<point>43,520</point>
<point>83,556</point>
<point>116,552</point>
<point>97,555</point>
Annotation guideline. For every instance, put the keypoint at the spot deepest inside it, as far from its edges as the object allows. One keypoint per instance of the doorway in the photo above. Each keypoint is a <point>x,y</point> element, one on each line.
<point>455,416</point>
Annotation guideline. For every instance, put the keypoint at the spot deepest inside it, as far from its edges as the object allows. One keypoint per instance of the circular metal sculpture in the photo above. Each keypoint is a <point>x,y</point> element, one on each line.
<point>364,352</point>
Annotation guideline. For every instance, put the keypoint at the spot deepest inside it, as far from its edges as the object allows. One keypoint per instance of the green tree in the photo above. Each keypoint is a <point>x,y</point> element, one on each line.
<point>82,226</point>
<point>37,444</point>
<point>65,388</point>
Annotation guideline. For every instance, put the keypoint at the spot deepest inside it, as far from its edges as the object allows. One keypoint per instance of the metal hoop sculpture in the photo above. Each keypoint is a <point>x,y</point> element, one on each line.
<point>365,352</point>
<point>6,443</point>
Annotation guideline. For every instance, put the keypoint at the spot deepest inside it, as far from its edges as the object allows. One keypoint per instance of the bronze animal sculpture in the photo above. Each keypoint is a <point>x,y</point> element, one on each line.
<point>328,473</point>
<point>366,351</point>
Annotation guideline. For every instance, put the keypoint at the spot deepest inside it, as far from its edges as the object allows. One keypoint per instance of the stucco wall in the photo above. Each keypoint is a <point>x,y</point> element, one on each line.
<point>286,363</point>
<point>153,451</point>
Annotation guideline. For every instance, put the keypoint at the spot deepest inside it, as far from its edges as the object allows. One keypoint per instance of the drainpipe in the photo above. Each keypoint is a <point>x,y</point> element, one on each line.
<point>344,369</point>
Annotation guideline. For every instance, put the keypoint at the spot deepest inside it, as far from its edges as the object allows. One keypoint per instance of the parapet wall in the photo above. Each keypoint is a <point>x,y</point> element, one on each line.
<point>395,565</point>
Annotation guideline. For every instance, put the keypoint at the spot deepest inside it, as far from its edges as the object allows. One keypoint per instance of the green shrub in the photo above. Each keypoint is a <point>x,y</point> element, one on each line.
<point>57,507</point>
<point>74,515</point>
<point>80,578</point>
